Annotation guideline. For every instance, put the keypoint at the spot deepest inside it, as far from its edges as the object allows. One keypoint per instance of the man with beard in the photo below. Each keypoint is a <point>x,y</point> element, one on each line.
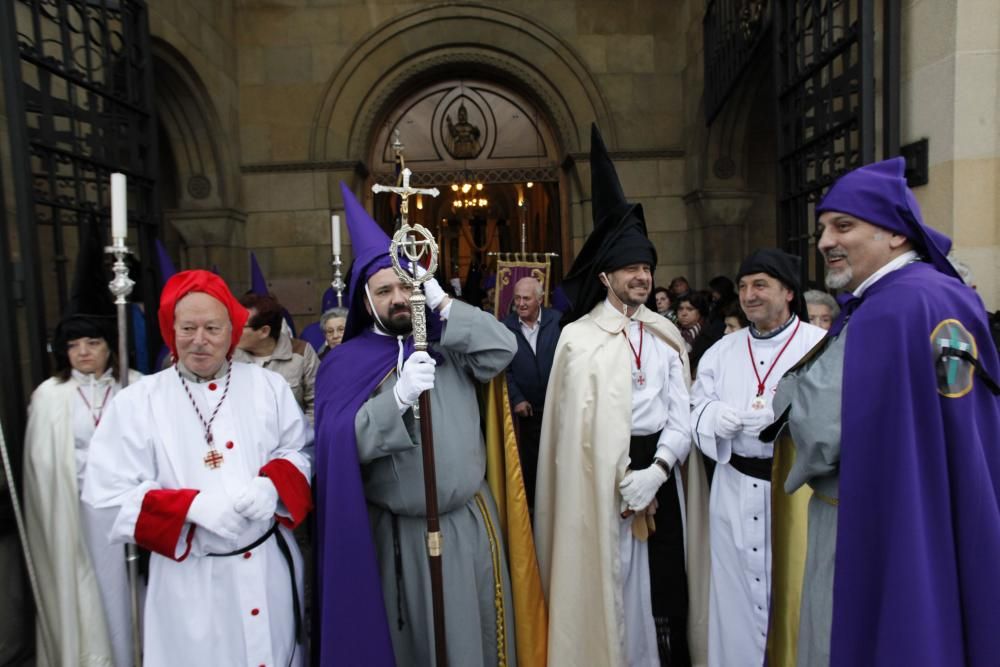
<point>615,431</point>
<point>893,457</point>
<point>731,401</point>
<point>369,456</point>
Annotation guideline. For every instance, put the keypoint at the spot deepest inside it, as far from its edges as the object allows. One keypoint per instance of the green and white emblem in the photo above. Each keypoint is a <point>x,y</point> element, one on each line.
<point>955,353</point>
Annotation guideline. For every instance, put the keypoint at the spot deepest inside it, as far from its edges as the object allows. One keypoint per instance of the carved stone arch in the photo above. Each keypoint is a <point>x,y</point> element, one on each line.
<point>205,178</point>
<point>486,65</point>
<point>204,224</point>
<point>449,39</point>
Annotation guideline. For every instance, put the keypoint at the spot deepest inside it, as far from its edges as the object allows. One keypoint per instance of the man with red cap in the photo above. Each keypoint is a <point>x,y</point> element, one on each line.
<point>204,463</point>
<point>893,459</point>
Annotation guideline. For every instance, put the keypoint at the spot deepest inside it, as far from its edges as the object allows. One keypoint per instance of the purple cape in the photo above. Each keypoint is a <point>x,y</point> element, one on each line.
<point>353,628</point>
<point>916,580</point>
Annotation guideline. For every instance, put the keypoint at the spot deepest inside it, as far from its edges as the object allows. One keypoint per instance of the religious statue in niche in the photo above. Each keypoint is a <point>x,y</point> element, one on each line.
<point>463,135</point>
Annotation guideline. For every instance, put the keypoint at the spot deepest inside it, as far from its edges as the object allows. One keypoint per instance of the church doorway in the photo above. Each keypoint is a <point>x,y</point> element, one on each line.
<point>493,156</point>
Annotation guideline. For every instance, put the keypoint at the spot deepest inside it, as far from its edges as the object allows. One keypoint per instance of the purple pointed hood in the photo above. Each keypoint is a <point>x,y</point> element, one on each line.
<point>877,193</point>
<point>258,285</point>
<point>164,263</point>
<point>371,254</point>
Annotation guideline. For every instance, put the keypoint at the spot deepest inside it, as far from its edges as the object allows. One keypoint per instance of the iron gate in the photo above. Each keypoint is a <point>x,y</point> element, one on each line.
<point>825,76</point>
<point>78,88</point>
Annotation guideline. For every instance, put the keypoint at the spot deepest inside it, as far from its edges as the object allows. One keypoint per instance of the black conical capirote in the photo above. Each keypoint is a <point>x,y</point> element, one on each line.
<point>608,198</point>
<point>619,236</point>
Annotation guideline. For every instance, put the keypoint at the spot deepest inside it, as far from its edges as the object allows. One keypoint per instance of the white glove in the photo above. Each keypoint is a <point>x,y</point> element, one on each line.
<point>640,486</point>
<point>727,422</point>
<point>456,286</point>
<point>755,421</point>
<point>435,295</point>
<point>215,513</point>
<point>259,499</point>
<point>416,378</point>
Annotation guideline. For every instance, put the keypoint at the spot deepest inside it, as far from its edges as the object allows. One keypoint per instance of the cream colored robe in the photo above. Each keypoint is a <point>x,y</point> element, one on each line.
<point>71,602</point>
<point>583,455</point>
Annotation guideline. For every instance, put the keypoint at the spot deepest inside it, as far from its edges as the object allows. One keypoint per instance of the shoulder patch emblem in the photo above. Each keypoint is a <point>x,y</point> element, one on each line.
<point>952,345</point>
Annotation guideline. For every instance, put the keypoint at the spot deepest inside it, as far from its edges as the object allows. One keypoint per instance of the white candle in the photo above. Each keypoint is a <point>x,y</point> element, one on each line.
<point>335,230</point>
<point>119,214</point>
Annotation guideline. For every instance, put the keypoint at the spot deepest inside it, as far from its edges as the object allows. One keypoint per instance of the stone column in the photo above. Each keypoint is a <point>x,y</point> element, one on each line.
<point>720,230</point>
<point>950,92</point>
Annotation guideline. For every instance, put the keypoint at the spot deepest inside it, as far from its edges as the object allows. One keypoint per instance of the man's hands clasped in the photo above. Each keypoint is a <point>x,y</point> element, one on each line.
<point>729,421</point>
<point>216,512</point>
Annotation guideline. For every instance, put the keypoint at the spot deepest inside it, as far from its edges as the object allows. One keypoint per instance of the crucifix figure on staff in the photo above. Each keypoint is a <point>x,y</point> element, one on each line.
<point>373,449</point>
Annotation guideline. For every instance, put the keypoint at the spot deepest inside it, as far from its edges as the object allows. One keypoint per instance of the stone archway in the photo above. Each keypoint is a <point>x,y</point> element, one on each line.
<point>474,132</point>
<point>203,225</point>
<point>450,41</point>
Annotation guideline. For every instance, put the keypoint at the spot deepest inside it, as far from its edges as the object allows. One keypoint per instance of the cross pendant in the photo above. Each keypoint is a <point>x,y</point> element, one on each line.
<point>213,459</point>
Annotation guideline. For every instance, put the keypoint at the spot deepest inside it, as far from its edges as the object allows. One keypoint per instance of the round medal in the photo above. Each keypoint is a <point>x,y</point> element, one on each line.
<point>758,403</point>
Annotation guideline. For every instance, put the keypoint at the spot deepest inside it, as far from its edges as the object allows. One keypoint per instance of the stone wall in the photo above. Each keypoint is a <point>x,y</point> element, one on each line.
<point>300,87</point>
<point>951,96</point>
<point>313,75</point>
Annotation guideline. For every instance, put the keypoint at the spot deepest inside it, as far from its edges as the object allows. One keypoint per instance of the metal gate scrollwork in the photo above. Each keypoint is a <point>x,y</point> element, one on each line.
<point>824,66</point>
<point>78,83</point>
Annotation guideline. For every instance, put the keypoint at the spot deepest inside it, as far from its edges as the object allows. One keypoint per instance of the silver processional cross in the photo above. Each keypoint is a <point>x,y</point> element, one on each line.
<point>415,242</point>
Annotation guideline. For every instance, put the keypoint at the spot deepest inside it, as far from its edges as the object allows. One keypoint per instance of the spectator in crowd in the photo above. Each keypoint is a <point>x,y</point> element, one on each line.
<point>263,343</point>
<point>661,296</point>
<point>332,323</point>
<point>692,310</point>
<point>692,320</point>
<point>679,286</point>
<point>537,332</point>
<point>823,308</point>
<point>734,318</point>
<point>723,292</point>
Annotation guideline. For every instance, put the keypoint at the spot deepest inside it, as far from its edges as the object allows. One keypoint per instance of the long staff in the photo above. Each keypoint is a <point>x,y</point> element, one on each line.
<point>416,242</point>
<point>121,286</point>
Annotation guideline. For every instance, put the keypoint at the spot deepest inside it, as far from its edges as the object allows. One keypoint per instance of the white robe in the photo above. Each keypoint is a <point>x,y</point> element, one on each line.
<point>594,573</point>
<point>740,505</point>
<point>200,610</point>
<point>77,573</point>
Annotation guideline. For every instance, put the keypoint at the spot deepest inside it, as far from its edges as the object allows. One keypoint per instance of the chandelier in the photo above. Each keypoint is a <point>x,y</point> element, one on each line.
<point>468,195</point>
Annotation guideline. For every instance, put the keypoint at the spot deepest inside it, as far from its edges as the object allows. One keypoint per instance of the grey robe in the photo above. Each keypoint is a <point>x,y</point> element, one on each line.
<point>814,392</point>
<point>475,347</point>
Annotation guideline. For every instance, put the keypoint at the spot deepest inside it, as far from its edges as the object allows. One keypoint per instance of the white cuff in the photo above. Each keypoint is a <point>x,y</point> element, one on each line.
<point>403,407</point>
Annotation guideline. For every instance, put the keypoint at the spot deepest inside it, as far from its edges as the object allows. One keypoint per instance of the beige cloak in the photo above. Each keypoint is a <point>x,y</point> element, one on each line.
<point>77,633</point>
<point>583,455</point>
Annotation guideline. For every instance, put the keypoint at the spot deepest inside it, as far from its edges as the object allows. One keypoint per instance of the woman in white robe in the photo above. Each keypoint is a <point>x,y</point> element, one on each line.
<point>80,572</point>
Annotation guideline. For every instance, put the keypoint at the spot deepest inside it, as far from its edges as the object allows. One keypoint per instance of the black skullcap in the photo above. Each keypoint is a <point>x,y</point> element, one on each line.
<point>783,266</point>
<point>618,239</point>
